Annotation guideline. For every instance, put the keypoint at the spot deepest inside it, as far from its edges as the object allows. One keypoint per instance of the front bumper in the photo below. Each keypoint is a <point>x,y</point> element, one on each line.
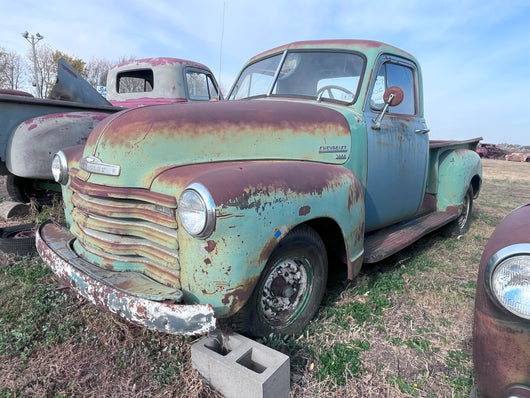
<point>129,294</point>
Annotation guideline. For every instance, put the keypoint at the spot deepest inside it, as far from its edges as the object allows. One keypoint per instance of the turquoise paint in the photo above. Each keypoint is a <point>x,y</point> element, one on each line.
<point>456,169</point>
<point>248,155</point>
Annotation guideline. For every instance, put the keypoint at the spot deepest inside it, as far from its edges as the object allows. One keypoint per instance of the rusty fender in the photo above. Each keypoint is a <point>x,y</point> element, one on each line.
<point>257,204</point>
<point>52,133</point>
<point>501,340</point>
<point>458,169</point>
<point>54,246</point>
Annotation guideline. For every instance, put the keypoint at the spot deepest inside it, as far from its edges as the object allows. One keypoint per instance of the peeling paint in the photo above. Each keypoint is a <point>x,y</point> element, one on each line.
<point>158,315</point>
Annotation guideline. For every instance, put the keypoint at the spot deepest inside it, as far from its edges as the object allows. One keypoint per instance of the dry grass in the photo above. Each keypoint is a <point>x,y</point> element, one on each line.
<point>405,325</point>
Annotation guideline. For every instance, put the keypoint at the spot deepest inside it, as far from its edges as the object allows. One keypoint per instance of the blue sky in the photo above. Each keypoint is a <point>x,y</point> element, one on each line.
<point>475,54</point>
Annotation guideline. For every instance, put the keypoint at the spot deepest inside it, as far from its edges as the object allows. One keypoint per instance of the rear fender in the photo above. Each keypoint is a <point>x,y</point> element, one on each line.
<point>458,170</point>
<point>257,204</point>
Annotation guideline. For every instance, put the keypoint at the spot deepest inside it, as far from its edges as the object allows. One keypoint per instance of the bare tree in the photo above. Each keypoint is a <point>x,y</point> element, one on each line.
<point>45,69</point>
<point>47,60</point>
<point>11,70</point>
<point>96,71</point>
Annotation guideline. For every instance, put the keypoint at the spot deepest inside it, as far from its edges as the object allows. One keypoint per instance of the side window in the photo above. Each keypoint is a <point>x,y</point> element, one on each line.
<point>212,89</point>
<point>197,86</point>
<point>392,74</point>
<point>200,86</point>
<point>136,81</point>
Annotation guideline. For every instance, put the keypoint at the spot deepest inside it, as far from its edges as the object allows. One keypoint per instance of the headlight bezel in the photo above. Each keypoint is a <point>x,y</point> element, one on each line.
<point>208,210</point>
<point>500,259</point>
<point>61,176</point>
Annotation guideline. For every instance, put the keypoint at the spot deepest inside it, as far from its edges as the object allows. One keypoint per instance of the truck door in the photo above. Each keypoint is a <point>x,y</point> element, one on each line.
<point>398,150</point>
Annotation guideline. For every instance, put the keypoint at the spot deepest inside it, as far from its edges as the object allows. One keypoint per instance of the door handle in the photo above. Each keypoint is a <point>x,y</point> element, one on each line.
<point>422,131</point>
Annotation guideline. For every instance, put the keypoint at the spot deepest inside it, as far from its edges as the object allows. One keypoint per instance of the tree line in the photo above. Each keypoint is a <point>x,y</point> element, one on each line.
<point>18,73</point>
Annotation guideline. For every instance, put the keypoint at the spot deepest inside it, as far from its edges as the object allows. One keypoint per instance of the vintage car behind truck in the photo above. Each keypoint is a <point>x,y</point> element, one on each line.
<point>177,216</point>
<point>74,107</point>
<point>501,332</point>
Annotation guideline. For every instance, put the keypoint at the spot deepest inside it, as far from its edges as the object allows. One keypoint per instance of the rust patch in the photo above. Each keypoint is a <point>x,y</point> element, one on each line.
<point>234,182</point>
<point>106,191</point>
<point>237,297</point>
<point>224,120</point>
<point>304,210</point>
<point>141,312</point>
<point>211,246</point>
<point>164,316</point>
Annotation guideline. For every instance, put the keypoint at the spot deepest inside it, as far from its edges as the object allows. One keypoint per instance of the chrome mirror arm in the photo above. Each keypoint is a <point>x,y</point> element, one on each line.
<point>379,119</point>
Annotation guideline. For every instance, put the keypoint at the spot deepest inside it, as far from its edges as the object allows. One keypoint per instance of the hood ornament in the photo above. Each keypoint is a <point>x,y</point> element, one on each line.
<point>94,165</point>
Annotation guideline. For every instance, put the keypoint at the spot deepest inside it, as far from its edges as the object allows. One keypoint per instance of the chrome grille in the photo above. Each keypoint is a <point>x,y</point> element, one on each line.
<point>126,234</point>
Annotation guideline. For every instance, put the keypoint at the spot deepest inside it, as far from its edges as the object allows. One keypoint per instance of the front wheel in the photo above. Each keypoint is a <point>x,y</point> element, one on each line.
<point>290,288</point>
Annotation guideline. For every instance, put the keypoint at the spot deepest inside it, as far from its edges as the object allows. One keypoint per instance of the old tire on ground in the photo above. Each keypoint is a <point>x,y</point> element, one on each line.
<point>16,188</point>
<point>290,289</point>
<point>18,239</point>
<point>461,225</point>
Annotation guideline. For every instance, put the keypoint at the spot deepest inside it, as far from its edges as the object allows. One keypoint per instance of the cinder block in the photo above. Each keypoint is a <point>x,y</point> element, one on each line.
<point>236,366</point>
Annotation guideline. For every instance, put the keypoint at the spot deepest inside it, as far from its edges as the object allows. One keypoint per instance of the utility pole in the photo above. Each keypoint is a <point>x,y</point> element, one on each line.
<point>33,40</point>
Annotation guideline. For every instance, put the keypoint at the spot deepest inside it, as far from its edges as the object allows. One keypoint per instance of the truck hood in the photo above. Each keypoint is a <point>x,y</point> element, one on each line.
<point>144,142</point>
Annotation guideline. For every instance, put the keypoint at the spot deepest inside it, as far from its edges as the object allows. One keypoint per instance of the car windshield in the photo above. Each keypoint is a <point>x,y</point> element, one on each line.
<point>320,75</point>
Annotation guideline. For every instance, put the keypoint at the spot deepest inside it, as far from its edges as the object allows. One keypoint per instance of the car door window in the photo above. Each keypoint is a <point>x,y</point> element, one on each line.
<point>393,74</point>
<point>200,86</point>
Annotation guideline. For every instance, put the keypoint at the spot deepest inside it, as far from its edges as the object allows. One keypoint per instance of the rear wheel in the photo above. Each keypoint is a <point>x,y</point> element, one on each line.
<point>291,286</point>
<point>16,188</point>
<point>461,225</point>
<point>21,189</point>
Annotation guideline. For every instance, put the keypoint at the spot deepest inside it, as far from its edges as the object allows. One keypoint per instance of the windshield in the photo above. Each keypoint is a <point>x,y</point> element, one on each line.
<point>320,75</point>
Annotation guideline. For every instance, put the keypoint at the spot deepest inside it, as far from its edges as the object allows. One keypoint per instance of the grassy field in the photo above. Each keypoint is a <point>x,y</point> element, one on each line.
<point>401,329</point>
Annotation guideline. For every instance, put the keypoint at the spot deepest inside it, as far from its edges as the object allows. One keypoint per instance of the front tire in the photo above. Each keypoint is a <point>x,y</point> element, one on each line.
<point>290,289</point>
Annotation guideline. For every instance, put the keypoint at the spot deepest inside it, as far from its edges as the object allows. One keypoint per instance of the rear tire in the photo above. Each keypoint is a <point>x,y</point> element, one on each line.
<point>461,225</point>
<point>290,289</point>
<point>16,188</point>
<point>22,190</point>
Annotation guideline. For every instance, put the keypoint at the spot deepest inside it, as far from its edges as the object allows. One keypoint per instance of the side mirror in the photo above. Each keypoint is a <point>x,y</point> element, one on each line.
<point>393,96</point>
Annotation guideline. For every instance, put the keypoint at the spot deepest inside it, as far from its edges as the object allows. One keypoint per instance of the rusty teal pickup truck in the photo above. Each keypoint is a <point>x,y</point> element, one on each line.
<point>177,216</point>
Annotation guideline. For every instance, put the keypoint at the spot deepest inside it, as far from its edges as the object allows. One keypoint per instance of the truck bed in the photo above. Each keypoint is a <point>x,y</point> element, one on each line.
<point>470,143</point>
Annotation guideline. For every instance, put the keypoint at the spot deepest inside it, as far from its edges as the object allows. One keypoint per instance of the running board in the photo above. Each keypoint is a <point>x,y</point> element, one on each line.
<point>381,244</point>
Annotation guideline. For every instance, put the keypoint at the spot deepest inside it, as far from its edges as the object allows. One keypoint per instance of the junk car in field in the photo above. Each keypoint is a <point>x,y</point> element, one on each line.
<point>177,215</point>
<point>501,333</point>
<point>74,107</point>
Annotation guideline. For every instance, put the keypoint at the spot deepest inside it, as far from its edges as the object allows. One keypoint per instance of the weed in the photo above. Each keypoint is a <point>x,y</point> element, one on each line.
<point>404,386</point>
<point>419,344</point>
<point>31,313</point>
<point>5,393</point>
<point>341,361</point>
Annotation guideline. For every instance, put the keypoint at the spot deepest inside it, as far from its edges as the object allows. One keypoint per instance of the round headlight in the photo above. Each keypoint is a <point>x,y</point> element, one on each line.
<point>197,211</point>
<point>510,279</point>
<point>60,168</point>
